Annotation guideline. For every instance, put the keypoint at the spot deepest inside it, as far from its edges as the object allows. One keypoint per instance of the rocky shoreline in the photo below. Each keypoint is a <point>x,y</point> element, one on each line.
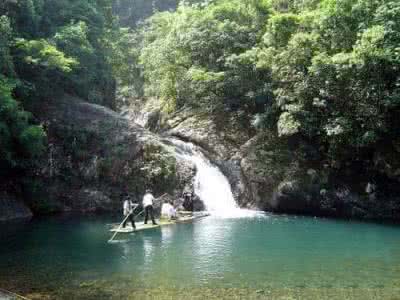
<point>95,155</point>
<point>273,177</point>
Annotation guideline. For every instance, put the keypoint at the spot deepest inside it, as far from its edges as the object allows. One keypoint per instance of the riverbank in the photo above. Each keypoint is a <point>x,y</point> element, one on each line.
<point>231,293</point>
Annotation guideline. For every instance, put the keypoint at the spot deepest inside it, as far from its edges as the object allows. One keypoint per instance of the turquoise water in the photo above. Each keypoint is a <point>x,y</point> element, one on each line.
<point>273,252</point>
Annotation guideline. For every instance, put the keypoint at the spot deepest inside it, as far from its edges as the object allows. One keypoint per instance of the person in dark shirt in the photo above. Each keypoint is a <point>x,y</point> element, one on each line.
<point>188,201</point>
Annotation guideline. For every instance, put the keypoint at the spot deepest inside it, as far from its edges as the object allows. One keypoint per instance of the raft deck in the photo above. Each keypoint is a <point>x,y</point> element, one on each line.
<point>161,222</point>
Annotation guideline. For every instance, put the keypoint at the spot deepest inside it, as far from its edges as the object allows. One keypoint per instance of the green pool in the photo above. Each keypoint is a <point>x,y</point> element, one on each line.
<point>263,257</point>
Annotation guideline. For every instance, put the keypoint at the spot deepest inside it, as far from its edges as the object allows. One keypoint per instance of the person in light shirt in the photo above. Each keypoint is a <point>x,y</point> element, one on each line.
<point>148,200</point>
<point>128,209</point>
<point>168,211</point>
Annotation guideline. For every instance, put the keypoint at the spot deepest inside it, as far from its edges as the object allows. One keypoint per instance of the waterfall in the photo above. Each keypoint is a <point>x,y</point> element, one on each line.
<point>210,184</point>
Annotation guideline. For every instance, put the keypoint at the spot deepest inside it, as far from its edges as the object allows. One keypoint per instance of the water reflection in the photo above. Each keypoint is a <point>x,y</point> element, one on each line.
<point>212,249</point>
<point>279,251</point>
<point>167,233</point>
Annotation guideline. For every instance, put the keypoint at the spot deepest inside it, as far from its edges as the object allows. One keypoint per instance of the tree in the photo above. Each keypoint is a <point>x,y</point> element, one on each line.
<point>335,71</point>
<point>47,48</point>
<point>20,141</point>
<point>201,54</point>
<point>6,63</point>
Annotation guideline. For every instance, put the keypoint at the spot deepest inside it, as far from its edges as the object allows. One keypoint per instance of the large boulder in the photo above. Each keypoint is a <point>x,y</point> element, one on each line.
<point>264,164</point>
<point>95,156</point>
<point>288,176</point>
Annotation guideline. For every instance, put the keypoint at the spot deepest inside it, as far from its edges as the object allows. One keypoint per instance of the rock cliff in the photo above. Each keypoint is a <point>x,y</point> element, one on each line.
<point>95,157</point>
<point>273,174</point>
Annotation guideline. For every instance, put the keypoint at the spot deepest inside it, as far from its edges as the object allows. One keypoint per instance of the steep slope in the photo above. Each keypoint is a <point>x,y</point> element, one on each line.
<point>95,156</point>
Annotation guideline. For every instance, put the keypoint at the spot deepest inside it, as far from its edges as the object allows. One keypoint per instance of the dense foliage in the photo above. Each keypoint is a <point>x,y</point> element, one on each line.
<point>20,142</point>
<point>324,71</point>
<point>48,48</point>
<point>335,72</point>
<point>199,55</point>
<point>131,13</point>
<point>320,73</point>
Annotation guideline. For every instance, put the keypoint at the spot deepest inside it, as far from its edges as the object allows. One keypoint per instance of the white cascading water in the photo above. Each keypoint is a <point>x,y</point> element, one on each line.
<point>211,185</point>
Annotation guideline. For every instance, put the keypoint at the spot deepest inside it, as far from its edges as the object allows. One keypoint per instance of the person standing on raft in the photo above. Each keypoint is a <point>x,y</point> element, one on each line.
<point>148,199</point>
<point>188,201</point>
<point>129,207</point>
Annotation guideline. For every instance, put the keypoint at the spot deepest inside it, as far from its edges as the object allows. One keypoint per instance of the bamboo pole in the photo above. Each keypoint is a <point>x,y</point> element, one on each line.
<point>119,227</point>
<point>13,294</point>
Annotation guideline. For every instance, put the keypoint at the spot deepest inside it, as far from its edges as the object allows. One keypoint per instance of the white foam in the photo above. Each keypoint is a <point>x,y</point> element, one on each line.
<point>211,185</point>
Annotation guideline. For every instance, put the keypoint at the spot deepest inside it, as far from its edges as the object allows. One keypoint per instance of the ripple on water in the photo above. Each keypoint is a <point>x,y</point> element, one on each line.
<point>261,253</point>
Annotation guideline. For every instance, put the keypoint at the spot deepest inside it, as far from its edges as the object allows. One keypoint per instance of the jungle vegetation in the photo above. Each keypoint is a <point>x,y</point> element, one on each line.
<point>323,71</point>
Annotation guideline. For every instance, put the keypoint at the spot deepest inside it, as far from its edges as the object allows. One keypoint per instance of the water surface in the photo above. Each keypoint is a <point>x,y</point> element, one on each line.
<point>259,254</point>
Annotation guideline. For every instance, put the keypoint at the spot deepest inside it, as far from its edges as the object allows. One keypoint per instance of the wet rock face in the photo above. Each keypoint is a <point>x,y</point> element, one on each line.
<point>292,197</point>
<point>96,155</point>
<point>220,140</point>
<point>11,208</point>
<point>241,191</point>
<point>92,200</point>
<point>198,205</point>
<point>191,126</point>
<point>272,174</point>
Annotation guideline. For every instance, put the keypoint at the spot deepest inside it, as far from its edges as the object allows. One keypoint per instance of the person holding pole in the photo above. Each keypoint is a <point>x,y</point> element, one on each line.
<point>148,200</point>
<point>129,207</point>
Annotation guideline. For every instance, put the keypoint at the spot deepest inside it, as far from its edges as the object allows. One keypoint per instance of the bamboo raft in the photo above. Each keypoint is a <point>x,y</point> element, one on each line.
<point>184,218</point>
